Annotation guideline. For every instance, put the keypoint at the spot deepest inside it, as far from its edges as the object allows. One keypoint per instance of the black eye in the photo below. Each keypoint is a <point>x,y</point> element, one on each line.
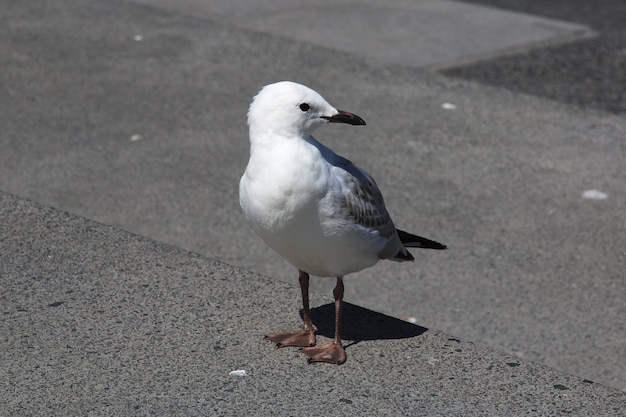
<point>305,107</point>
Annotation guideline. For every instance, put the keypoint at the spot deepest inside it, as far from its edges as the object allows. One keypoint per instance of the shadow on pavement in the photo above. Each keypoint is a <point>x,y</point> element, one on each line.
<point>362,324</point>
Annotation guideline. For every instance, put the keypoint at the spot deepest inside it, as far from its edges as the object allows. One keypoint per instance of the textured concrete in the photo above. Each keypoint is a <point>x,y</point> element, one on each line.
<point>135,117</point>
<point>99,322</point>
<point>589,73</point>
<point>415,33</point>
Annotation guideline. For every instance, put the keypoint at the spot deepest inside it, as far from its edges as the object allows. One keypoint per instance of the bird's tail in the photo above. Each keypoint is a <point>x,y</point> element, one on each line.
<point>413,241</point>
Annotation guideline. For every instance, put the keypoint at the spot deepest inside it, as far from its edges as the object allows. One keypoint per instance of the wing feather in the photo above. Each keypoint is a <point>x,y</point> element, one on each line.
<point>365,203</point>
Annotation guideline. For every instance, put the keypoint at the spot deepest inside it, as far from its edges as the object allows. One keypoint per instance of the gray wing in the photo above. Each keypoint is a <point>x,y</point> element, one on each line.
<point>365,203</point>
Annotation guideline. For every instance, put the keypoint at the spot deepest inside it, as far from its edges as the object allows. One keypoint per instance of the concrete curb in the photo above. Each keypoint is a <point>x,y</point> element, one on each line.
<point>97,321</point>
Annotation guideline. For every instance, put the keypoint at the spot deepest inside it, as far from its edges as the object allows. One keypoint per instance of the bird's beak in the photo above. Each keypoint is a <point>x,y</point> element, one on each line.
<point>345,117</point>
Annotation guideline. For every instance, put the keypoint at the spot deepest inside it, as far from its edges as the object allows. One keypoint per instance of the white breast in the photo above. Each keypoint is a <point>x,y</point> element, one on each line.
<point>299,211</point>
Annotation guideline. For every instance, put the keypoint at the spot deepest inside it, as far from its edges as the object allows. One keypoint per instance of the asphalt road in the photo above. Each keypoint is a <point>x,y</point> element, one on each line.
<point>589,73</point>
<point>135,116</point>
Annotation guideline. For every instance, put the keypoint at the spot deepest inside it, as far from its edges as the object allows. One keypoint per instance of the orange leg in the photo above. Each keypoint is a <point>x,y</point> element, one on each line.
<point>298,338</point>
<point>331,352</point>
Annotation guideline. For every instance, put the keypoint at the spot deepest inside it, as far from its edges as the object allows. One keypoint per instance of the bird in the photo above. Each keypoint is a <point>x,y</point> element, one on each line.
<point>316,209</point>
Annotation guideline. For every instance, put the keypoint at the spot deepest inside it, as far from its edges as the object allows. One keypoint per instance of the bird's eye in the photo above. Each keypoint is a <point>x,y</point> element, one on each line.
<point>305,107</point>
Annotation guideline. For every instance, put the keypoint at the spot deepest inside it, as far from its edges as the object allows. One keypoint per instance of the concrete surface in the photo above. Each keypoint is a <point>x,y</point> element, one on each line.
<point>98,322</point>
<point>590,73</point>
<point>135,116</point>
<point>415,33</point>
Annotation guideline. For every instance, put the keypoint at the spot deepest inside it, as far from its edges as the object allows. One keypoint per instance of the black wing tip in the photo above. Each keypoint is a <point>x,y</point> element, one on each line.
<point>414,241</point>
<point>435,246</point>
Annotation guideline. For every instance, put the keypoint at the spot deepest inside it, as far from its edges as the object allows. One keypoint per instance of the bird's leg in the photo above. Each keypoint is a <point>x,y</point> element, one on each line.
<point>331,352</point>
<point>298,338</point>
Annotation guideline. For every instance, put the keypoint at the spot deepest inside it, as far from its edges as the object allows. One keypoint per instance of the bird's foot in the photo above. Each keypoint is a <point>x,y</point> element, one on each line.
<point>298,338</point>
<point>330,353</point>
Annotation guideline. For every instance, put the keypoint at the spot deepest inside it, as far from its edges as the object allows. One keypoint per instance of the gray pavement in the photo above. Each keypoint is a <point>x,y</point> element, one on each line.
<point>590,73</point>
<point>101,322</point>
<point>422,33</point>
<point>134,116</point>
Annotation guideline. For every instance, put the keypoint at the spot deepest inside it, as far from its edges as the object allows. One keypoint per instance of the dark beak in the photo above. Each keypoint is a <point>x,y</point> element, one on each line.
<point>345,117</point>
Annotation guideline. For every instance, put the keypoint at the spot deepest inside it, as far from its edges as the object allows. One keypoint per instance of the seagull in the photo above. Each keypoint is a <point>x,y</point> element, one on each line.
<point>320,212</point>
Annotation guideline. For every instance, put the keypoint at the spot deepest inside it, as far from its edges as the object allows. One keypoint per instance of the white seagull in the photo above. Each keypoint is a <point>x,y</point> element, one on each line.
<point>318,210</point>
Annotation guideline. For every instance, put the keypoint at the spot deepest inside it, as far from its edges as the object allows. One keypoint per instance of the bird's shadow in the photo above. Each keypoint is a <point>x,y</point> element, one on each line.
<point>360,323</point>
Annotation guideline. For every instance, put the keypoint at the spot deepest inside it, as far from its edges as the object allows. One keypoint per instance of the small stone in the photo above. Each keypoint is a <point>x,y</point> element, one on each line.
<point>238,372</point>
<point>595,195</point>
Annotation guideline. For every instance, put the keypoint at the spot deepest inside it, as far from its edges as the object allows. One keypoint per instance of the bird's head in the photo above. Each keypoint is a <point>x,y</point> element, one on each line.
<point>290,109</point>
